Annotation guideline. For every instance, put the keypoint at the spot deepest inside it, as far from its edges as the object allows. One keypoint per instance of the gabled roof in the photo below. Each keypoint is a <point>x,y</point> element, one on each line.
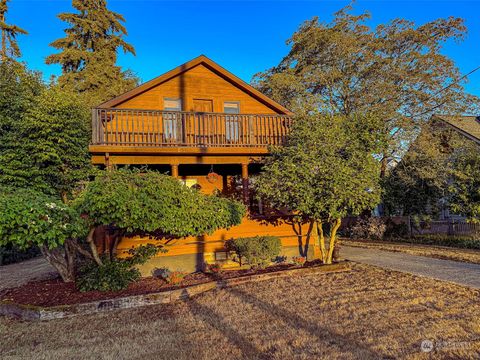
<point>468,126</point>
<point>213,66</point>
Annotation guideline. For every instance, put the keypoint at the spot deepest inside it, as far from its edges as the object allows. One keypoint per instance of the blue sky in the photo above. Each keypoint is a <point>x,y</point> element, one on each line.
<point>243,36</point>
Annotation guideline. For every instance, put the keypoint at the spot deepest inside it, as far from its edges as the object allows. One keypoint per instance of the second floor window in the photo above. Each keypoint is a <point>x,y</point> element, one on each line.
<point>232,121</point>
<point>170,120</point>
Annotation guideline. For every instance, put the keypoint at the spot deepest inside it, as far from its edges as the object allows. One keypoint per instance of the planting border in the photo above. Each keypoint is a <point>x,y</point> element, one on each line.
<point>29,312</point>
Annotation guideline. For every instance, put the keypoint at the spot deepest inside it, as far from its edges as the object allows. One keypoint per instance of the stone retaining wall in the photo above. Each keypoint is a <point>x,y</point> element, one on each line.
<point>28,312</point>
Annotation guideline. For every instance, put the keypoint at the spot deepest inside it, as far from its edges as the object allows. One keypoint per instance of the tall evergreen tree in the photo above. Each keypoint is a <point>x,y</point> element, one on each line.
<point>88,52</point>
<point>9,34</point>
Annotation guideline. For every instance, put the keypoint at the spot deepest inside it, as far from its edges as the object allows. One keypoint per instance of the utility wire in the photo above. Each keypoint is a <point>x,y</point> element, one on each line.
<point>439,92</point>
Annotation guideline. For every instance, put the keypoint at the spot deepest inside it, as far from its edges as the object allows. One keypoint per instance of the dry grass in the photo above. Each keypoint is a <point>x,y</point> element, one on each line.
<point>368,313</point>
<point>439,252</point>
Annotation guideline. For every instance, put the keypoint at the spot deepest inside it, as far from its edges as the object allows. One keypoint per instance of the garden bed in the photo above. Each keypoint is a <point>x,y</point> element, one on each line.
<point>50,299</point>
<point>55,292</point>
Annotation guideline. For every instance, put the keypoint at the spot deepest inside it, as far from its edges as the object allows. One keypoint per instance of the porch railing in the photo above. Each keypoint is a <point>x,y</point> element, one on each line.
<point>156,128</point>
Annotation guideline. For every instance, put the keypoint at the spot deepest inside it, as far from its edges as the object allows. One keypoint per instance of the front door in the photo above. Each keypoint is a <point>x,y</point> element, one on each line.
<point>203,121</point>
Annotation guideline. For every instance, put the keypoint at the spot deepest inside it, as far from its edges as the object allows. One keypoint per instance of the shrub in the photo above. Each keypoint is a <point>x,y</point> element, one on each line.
<point>112,275</point>
<point>214,268</point>
<point>171,277</point>
<point>368,228</point>
<point>299,260</point>
<point>155,204</point>
<point>257,251</point>
<point>116,274</point>
<point>396,231</point>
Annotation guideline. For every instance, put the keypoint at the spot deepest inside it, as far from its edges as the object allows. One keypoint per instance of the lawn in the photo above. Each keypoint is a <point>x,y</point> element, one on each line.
<point>368,313</point>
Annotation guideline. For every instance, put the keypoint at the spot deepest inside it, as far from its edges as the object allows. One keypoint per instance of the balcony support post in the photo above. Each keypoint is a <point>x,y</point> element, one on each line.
<point>174,170</point>
<point>246,196</point>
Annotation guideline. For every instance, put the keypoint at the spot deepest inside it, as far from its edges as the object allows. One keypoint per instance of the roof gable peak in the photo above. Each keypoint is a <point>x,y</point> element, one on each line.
<point>211,65</point>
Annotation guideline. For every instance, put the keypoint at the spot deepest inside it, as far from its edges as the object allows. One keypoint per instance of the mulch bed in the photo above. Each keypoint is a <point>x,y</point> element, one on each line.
<point>55,292</point>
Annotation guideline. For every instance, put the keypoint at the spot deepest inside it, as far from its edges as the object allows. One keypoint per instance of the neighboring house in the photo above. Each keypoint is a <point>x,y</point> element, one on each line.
<point>209,129</point>
<point>468,126</point>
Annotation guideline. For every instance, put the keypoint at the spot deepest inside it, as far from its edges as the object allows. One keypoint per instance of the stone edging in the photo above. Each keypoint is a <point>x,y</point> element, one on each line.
<point>29,312</point>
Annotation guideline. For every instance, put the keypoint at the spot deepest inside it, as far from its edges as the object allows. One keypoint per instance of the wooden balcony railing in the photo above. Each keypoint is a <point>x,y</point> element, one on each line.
<point>131,127</point>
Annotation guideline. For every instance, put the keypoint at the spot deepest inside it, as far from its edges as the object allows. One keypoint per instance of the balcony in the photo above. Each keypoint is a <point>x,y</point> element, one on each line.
<point>134,128</point>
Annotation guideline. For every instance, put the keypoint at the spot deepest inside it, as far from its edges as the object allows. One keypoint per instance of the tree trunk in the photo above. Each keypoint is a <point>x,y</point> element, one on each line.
<point>117,235</point>
<point>321,240</point>
<point>333,239</point>
<point>383,167</point>
<point>58,259</point>
<point>93,247</point>
<point>74,245</point>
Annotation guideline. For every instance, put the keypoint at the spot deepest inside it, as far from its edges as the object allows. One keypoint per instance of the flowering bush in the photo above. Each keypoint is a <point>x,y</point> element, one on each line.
<point>299,260</point>
<point>171,277</point>
<point>31,218</point>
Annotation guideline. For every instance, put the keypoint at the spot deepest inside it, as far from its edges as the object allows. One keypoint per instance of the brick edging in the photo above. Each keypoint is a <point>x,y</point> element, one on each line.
<point>29,312</point>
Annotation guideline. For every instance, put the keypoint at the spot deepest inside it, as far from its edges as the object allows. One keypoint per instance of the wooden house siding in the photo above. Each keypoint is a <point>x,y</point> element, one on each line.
<point>198,83</point>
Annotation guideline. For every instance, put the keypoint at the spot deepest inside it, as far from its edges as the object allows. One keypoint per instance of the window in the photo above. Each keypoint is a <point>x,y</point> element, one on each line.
<point>170,120</point>
<point>232,124</point>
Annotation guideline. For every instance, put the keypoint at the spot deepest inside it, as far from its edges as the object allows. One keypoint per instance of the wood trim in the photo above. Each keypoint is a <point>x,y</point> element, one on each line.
<point>461,131</point>
<point>168,160</point>
<point>118,149</point>
<point>202,59</point>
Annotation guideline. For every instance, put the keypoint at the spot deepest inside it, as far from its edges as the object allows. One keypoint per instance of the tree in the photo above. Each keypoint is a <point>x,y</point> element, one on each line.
<point>45,134</point>
<point>146,203</point>
<point>9,33</point>
<point>30,218</point>
<point>153,205</point>
<point>395,72</point>
<point>88,52</point>
<point>325,171</point>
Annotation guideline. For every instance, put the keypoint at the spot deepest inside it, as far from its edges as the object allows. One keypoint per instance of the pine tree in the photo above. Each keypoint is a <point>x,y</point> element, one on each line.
<point>88,52</point>
<point>10,49</point>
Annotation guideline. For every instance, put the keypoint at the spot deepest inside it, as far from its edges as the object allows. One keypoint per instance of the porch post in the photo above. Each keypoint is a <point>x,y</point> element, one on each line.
<point>174,170</point>
<point>245,182</point>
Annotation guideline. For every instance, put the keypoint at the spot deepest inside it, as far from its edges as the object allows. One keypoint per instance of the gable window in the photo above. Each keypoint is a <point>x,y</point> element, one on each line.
<point>232,122</point>
<point>170,120</point>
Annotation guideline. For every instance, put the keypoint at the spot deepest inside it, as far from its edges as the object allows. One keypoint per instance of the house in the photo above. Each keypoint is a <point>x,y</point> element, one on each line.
<point>467,126</point>
<point>208,128</point>
<point>447,134</point>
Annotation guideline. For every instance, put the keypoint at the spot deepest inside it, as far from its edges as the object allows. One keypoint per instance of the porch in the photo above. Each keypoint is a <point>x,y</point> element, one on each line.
<point>118,127</point>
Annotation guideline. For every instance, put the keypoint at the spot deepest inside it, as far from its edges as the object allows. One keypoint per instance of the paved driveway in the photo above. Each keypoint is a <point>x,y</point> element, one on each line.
<point>458,272</point>
<point>20,273</point>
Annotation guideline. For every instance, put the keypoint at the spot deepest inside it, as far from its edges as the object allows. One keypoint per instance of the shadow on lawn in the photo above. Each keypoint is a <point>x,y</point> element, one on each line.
<point>212,318</point>
<point>321,333</point>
